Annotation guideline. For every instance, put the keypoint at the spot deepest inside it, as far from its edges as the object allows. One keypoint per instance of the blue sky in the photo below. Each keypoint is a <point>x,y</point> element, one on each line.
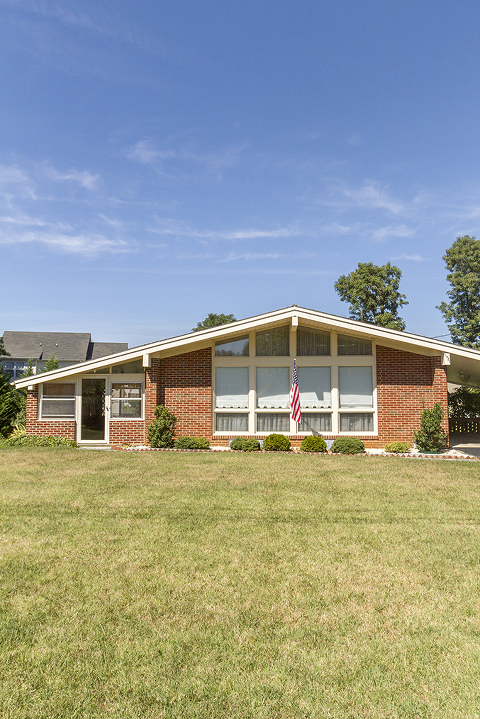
<point>163,160</point>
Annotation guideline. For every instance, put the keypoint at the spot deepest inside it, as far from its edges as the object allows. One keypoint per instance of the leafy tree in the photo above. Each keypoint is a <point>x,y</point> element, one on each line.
<point>462,313</point>
<point>9,404</point>
<point>21,418</point>
<point>51,363</point>
<point>3,351</point>
<point>372,292</point>
<point>464,403</point>
<point>213,320</point>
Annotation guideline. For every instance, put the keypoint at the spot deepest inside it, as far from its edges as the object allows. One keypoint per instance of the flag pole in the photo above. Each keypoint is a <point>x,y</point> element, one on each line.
<point>295,412</point>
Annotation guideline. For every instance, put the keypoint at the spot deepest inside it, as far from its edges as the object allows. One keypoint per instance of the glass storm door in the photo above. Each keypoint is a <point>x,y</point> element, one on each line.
<point>93,410</point>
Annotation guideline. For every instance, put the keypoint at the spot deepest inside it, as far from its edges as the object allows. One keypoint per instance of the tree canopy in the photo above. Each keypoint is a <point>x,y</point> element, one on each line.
<point>51,363</point>
<point>3,351</point>
<point>372,292</point>
<point>9,404</point>
<point>213,320</point>
<point>462,313</point>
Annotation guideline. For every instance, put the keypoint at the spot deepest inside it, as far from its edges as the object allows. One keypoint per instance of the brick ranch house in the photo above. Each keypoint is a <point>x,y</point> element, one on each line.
<point>354,379</point>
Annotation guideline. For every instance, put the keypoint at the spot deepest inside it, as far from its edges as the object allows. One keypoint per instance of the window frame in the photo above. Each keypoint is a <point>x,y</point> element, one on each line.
<point>66,398</point>
<point>334,361</point>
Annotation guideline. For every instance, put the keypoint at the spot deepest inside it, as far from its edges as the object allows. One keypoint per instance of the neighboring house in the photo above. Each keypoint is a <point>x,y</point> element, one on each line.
<point>355,379</point>
<point>68,347</point>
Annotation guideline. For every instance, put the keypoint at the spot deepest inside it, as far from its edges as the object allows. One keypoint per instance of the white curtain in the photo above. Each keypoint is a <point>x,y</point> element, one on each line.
<point>356,387</point>
<point>316,422</point>
<point>233,422</point>
<point>231,387</point>
<point>273,422</point>
<point>314,385</point>
<point>348,345</point>
<point>312,343</point>
<point>273,387</point>
<point>356,422</point>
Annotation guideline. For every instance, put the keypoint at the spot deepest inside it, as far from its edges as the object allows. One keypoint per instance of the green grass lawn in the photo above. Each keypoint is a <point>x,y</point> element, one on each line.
<point>208,585</point>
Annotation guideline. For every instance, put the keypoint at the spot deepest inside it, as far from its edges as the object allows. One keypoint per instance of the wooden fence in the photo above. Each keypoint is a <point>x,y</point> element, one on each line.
<point>464,426</point>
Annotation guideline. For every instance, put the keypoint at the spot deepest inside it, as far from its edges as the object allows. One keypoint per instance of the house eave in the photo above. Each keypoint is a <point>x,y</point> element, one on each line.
<point>204,338</point>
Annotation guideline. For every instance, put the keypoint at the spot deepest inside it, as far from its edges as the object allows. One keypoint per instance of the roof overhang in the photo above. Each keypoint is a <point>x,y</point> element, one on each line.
<point>461,363</point>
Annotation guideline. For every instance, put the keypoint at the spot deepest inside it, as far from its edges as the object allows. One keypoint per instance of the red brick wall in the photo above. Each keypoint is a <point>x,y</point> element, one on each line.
<point>127,431</point>
<point>44,427</point>
<point>184,386</point>
<point>405,379</point>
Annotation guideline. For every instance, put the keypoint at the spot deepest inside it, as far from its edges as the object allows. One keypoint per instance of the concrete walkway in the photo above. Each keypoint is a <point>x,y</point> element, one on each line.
<point>468,443</point>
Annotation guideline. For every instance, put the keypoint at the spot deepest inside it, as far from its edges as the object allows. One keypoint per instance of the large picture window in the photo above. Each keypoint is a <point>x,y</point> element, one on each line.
<point>356,387</point>
<point>126,400</point>
<point>273,387</point>
<point>231,387</point>
<point>315,387</point>
<point>58,400</point>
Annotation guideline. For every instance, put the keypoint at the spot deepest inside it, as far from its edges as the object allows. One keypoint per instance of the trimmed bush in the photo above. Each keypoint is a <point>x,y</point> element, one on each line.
<point>313,444</point>
<point>244,444</point>
<point>431,437</point>
<point>397,447</point>
<point>348,445</point>
<point>29,440</point>
<point>276,443</point>
<point>192,443</point>
<point>162,429</point>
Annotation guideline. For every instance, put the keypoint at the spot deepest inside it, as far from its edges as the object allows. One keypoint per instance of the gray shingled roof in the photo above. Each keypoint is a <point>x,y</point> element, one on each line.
<point>102,349</point>
<point>42,345</point>
<point>65,346</point>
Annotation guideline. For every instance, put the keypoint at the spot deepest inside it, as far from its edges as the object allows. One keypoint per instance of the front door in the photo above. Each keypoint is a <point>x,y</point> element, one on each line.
<point>93,410</point>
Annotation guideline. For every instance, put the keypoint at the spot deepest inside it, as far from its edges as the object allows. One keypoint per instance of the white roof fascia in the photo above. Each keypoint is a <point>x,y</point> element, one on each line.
<point>277,317</point>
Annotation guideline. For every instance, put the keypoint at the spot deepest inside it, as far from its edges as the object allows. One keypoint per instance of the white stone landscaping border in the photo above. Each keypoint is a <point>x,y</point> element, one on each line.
<point>411,454</point>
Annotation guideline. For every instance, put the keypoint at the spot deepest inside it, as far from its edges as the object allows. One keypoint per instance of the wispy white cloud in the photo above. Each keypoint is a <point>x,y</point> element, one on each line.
<point>183,162</point>
<point>145,152</point>
<point>372,195</point>
<point>414,258</point>
<point>248,256</point>
<point>23,220</point>
<point>179,229</point>
<point>76,244</point>
<point>14,181</point>
<point>392,231</point>
<point>82,177</point>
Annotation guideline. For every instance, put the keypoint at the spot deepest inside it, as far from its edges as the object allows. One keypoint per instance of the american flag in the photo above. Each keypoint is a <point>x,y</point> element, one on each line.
<point>295,397</point>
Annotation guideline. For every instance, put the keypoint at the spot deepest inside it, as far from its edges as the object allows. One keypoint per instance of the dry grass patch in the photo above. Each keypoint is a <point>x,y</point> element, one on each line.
<point>176,585</point>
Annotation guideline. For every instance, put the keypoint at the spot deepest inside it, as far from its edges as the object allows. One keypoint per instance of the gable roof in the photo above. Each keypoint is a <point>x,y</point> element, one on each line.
<point>42,345</point>
<point>464,367</point>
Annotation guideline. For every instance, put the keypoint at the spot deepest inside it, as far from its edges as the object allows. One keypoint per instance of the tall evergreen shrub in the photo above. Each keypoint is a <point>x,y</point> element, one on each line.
<point>431,437</point>
<point>162,430</point>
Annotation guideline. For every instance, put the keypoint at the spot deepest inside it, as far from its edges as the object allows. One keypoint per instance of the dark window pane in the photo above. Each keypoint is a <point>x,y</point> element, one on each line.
<point>274,342</point>
<point>312,343</point>
<point>348,345</point>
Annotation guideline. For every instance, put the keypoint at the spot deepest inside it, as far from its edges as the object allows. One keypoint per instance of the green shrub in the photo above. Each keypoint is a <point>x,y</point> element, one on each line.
<point>244,444</point>
<point>192,443</point>
<point>276,443</point>
<point>29,440</point>
<point>313,444</point>
<point>397,447</point>
<point>431,437</point>
<point>162,429</point>
<point>348,445</point>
